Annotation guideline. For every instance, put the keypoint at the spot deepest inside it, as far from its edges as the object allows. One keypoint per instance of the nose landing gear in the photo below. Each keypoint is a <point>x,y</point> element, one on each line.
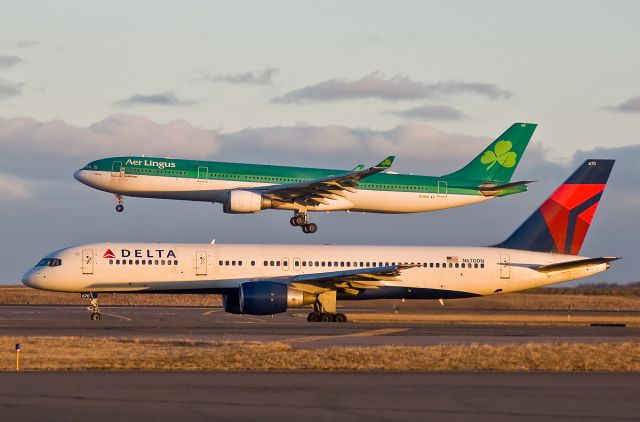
<point>301,219</point>
<point>93,307</point>
<point>119,207</point>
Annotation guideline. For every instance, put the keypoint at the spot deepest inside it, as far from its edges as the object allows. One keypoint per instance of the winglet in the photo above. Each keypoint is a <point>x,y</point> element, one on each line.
<point>386,163</point>
<point>359,167</point>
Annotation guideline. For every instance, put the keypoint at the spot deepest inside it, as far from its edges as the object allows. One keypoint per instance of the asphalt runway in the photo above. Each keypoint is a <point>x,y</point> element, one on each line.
<point>319,396</point>
<point>292,328</point>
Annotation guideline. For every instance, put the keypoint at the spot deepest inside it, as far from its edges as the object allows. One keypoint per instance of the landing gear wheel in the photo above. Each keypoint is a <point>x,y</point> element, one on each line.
<point>326,317</point>
<point>313,317</point>
<point>119,207</point>
<point>95,316</point>
<point>310,228</point>
<point>293,221</point>
<point>340,317</point>
<point>94,308</point>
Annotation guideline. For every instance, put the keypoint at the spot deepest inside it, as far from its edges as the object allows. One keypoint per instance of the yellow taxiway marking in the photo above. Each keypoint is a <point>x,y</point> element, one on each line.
<point>117,316</point>
<point>213,311</point>
<point>368,333</point>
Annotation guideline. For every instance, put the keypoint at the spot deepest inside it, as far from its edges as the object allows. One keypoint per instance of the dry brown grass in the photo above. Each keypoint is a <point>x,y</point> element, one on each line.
<point>76,353</point>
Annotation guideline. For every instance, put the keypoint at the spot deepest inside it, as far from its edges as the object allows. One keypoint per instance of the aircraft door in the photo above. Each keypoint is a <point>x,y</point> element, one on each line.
<point>203,173</point>
<point>87,261</point>
<point>505,267</point>
<point>442,188</point>
<point>116,169</point>
<point>201,263</point>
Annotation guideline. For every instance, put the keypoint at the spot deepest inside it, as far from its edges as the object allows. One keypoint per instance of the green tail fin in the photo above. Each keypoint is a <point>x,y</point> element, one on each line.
<point>498,162</point>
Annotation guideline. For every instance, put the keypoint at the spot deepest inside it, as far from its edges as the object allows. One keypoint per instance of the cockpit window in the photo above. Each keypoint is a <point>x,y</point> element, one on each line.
<point>49,262</point>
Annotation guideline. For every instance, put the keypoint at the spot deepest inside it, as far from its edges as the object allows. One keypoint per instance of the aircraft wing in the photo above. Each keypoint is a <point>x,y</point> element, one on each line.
<point>321,191</point>
<point>350,281</point>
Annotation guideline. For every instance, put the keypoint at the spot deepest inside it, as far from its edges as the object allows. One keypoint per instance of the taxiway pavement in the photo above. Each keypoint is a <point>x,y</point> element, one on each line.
<point>214,324</point>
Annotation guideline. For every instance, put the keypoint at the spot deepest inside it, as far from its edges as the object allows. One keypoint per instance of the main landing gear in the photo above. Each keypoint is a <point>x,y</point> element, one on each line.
<point>93,307</point>
<point>302,220</point>
<point>320,314</point>
<point>326,317</point>
<point>119,207</point>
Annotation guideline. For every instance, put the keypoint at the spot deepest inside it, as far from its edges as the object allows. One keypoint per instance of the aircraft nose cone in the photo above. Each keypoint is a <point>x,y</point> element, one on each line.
<point>78,176</point>
<point>29,279</point>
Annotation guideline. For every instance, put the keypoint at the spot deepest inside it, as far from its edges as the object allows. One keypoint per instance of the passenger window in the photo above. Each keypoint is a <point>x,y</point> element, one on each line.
<point>144,262</point>
<point>226,263</point>
<point>342,264</point>
<point>240,263</point>
<point>317,262</point>
<point>253,263</point>
<point>481,265</point>
<point>277,263</point>
<point>272,263</point>
<point>463,265</point>
<point>304,263</point>
<point>156,262</point>
<point>168,262</point>
<point>335,263</point>
<point>233,263</point>
<point>328,263</point>
<point>220,263</point>
<point>137,262</point>
<point>162,262</point>
<point>111,262</point>
<point>450,265</point>
<point>457,265</point>
<point>437,265</point>
<point>175,262</point>
<point>266,263</point>
<point>431,265</point>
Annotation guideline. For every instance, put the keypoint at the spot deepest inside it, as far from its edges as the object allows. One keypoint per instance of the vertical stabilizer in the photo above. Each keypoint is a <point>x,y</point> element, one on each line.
<point>500,159</point>
<point>562,221</point>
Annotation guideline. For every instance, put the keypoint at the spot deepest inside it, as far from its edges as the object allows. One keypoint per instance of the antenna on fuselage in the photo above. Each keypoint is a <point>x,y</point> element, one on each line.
<point>213,241</point>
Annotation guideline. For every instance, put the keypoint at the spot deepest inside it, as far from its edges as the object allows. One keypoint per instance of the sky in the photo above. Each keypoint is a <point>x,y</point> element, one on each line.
<point>322,84</point>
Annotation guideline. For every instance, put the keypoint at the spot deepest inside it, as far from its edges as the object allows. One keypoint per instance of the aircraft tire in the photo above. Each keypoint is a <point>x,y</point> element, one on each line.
<point>95,316</point>
<point>312,228</point>
<point>313,317</point>
<point>119,208</point>
<point>340,317</point>
<point>326,317</point>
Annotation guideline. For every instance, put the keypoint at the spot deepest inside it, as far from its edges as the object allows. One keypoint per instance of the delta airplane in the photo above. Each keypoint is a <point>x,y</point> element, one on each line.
<point>250,188</point>
<point>269,279</point>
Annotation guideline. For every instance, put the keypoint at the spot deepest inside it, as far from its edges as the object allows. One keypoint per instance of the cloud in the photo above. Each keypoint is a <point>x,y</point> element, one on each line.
<point>431,112</point>
<point>632,105</point>
<point>162,99</point>
<point>395,88</point>
<point>9,89</point>
<point>26,43</point>
<point>263,77</point>
<point>118,134</point>
<point>9,61</point>
<point>13,188</point>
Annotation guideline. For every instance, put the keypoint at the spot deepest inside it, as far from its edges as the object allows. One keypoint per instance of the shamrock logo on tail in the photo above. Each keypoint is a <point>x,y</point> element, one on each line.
<point>501,154</point>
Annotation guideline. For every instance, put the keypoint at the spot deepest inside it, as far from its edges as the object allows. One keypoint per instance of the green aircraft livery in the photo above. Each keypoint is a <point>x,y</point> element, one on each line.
<point>249,188</point>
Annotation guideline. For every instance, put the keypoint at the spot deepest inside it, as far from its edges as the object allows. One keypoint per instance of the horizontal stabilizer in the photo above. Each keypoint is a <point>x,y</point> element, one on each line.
<point>569,265</point>
<point>495,190</point>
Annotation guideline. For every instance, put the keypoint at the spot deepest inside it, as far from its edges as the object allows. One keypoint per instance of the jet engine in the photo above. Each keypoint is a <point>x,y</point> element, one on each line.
<point>243,202</point>
<point>265,298</point>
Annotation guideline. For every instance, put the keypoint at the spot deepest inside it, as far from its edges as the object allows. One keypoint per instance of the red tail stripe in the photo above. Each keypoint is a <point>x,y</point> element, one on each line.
<point>570,196</point>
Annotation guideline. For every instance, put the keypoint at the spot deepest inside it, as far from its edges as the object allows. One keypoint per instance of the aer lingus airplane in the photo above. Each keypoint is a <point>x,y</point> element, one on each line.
<point>249,188</point>
<point>268,279</point>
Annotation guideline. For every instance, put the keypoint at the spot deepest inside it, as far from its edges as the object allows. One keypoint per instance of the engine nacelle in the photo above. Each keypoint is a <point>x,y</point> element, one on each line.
<point>266,298</point>
<point>231,302</point>
<point>243,202</point>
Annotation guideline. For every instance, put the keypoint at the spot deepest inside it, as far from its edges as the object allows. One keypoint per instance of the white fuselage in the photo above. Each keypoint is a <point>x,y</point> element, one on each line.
<point>163,267</point>
<point>366,200</point>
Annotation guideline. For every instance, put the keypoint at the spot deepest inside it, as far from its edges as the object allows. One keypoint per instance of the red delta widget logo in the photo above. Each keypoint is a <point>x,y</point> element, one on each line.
<point>141,253</point>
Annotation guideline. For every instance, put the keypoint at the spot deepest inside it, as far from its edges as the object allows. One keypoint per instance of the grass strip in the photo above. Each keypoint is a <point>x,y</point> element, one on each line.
<point>107,354</point>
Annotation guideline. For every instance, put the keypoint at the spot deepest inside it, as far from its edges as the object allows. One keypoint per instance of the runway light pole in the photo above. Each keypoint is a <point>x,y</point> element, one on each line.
<point>17,356</point>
